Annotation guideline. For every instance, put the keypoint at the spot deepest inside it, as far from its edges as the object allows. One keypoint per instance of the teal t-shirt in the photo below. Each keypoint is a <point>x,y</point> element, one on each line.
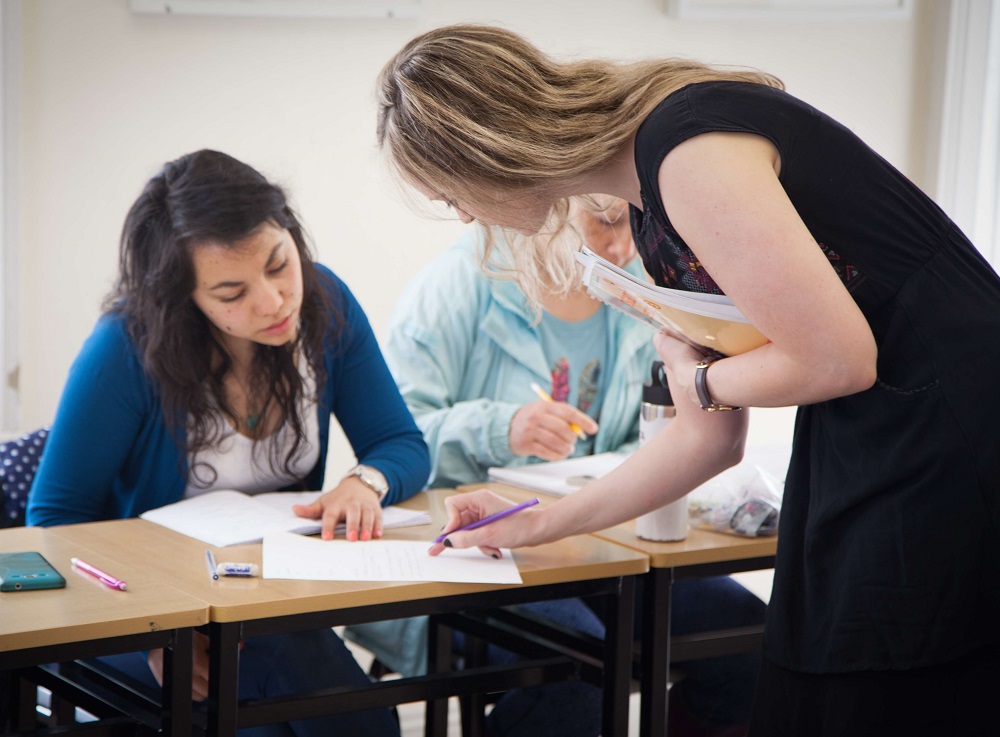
<point>577,354</point>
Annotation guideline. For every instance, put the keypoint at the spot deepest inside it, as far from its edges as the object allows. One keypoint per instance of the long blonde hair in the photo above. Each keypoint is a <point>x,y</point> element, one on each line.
<point>480,112</point>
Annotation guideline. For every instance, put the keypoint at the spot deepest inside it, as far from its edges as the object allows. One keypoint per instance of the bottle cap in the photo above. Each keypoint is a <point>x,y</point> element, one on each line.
<point>656,391</point>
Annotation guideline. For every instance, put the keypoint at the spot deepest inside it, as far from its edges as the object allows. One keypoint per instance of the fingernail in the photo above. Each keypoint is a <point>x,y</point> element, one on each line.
<point>378,533</point>
<point>352,535</point>
<point>327,535</point>
<point>366,535</point>
<point>446,542</point>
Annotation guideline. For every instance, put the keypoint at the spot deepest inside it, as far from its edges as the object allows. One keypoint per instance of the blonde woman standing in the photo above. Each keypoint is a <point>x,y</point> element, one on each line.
<point>884,328</point>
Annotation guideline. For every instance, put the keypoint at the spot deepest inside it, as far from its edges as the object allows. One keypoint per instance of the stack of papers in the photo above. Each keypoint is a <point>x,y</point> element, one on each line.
<point>224,518</point>
<point>558,478</point>
<point>709,321</point>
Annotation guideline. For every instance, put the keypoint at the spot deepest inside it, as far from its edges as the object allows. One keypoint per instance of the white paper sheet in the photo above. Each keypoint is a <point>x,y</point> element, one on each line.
<point>224,518</point>
<point>305,558</point>
<point>559,478</point>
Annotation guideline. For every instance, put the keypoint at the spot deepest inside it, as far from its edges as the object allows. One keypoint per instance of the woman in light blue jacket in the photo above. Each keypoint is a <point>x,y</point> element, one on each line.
<point>465,349</point>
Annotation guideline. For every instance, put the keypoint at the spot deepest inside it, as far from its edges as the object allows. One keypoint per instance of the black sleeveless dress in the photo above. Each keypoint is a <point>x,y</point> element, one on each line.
<point>889,543</point>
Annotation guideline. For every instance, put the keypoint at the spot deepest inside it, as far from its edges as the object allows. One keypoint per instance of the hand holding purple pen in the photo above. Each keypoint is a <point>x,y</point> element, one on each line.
<point>487,520</point>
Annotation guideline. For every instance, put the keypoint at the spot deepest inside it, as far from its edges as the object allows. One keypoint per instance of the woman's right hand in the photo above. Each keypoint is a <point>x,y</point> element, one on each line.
<point>199,668</point>
<point>544,430</point>
<point>463,509</point>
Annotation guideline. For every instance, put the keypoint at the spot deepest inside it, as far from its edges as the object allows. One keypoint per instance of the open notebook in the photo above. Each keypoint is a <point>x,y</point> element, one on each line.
<point>558,478</point>
<point>233,518</point>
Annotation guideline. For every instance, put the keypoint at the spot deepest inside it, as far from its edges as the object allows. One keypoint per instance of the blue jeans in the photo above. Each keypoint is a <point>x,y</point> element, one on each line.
<point>566,709</point>
<point>281,665</point>
<point>714,692</point>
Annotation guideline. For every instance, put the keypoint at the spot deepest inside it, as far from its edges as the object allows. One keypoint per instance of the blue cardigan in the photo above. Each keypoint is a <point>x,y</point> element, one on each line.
<point>110,454</point>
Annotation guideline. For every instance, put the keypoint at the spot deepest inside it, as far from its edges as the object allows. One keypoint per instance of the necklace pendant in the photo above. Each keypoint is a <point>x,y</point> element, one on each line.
<point>252,421</point>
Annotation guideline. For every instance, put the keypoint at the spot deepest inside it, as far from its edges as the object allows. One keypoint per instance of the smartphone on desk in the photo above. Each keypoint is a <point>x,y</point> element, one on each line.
<point>28,571</point>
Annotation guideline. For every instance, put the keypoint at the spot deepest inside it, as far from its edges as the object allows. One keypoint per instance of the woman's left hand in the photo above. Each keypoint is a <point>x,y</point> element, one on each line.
<point>679,359</point>
<point>352,502</point>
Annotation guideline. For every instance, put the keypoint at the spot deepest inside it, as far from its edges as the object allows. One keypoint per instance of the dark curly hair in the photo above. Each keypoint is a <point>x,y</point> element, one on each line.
<point>210,196</point>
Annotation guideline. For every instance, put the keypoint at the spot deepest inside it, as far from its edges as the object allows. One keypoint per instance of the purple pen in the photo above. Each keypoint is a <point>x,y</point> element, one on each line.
<point>486,520</point>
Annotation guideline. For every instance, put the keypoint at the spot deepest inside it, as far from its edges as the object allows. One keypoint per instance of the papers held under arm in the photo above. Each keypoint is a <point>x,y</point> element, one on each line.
<point>709,321</point>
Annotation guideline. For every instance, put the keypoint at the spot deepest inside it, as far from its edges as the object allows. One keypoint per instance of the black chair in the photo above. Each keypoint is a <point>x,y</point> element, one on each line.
<point>19,460</point>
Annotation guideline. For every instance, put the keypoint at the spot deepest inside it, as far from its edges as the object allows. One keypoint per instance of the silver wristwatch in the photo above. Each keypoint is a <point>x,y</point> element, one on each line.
<point>372,478</point>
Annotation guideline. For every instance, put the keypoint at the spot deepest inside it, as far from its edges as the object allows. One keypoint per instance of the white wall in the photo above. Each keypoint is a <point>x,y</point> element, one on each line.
<point>109,95</point>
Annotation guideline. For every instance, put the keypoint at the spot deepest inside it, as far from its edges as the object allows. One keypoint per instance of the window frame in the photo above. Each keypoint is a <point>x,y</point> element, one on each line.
<point>967,155</point>
<point>10,150</point>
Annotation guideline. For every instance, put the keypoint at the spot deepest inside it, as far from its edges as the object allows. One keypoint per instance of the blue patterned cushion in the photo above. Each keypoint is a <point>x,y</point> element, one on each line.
<point>18,463</point>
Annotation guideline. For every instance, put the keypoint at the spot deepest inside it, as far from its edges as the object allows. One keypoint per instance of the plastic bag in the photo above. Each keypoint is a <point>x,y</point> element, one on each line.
<point>744,500</point>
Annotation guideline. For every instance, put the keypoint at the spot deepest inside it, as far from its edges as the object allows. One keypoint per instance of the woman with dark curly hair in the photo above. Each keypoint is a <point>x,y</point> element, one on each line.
<point>222,353</point>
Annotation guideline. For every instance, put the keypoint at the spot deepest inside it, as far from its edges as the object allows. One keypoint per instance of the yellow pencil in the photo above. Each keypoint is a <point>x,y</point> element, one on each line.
<point>544,395</point>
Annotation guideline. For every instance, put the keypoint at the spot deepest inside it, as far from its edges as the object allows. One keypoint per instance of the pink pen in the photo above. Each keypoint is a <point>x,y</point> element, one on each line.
<point>106,578</point>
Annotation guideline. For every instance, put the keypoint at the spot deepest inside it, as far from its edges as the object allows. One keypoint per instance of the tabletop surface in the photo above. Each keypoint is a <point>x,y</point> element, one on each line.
<point>234,599</point>
<point>87,609</point>
<point>700,546</point>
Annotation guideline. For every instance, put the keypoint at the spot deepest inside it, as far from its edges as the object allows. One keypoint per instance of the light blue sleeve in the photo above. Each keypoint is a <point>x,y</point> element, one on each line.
<point>431,338</point>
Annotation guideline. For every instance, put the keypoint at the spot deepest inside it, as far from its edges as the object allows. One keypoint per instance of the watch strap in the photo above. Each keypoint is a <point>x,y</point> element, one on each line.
<point>701,387</point>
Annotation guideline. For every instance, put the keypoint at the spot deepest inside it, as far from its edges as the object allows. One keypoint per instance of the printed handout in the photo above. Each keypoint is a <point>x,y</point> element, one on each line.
<point>308,558</point>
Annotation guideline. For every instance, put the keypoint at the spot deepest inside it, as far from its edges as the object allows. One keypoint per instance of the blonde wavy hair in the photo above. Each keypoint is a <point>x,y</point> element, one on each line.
<point>480,114</point>
<point>544,263</point>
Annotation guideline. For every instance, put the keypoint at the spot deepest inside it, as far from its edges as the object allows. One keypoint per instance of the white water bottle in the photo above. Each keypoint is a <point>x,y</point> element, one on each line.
<point>669,522</point>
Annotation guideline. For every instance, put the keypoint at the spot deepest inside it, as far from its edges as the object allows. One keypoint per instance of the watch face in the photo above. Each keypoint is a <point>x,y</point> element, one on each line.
<point>374,478</point>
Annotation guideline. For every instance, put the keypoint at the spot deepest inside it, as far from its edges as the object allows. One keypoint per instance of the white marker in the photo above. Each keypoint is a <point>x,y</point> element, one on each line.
<point>245,570</point>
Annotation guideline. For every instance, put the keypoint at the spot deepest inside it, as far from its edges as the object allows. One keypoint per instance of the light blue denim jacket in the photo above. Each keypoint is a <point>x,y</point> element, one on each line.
<point>464,353</point>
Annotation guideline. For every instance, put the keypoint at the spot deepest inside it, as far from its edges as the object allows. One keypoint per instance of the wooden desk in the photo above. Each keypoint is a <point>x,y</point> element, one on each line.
<point>88,619</point>
<point>241,608</point>
<point>702,554</point>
